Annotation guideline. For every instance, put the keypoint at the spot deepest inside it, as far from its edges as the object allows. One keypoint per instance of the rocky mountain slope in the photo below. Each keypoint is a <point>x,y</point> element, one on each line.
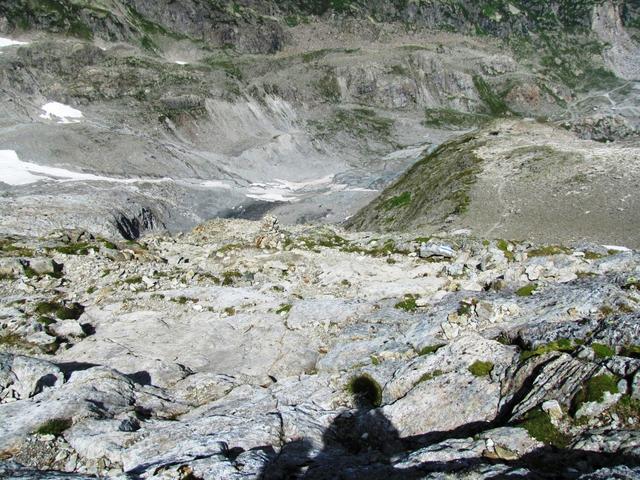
<point>518,180</point>
<point>244,350</point>
<point>449,290</point>
<point>197,110</point>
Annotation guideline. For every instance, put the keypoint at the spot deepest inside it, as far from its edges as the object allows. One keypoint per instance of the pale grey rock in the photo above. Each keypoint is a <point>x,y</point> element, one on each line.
<point>201,388</point>
<point>560,377</point>
<point>611,441</point>
<point>23,377</point>
<point>553,409</point>
<point>621,472</point>
<point>16,471</point>
<point>455,357</point>
<point>323,313</point>
<point>469,399</point>
<point>10,267</point>
<point>44,266</point>
<point>593,409</point>
<point>428,250</point>
<point>457,450</point>
<point>95,392</point>
<point>200,342</point>
<point>67,329</point>
<point>515,440</point>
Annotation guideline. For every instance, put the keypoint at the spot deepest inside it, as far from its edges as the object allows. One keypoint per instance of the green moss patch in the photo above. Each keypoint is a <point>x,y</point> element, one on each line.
<point>229,277</point>
<point>227,65</point>
<point>54,427</point>
<point>408,304</point>
<point>10,249</point>
<point>429,376</point>
<point>81,248</point>
<point>398,201</point>
<point>538,424</point>
<point>284,308</point>
<point>429,349</point>
<point>481,369</point>
<point>495,105</point>
<point>632,351</point>
<point>527,290</point>
<point>627,408</point>
<point>357,122</point>
<point>602,351</point>
<point>560,345</point>
<point>71,311</point>
<point>445,119</point>
<point>594,389</point>
<point>548,251</point>
<point>506,248</point>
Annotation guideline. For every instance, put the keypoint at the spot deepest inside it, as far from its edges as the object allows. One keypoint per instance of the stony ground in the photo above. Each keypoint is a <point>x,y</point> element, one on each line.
<point>244,350</point>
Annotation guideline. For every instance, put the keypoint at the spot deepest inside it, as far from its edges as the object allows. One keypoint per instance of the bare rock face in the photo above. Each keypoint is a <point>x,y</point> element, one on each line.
<point>622,55</point>
<point>602,128</point>
<point>208,354</point>
<point>24,377</point>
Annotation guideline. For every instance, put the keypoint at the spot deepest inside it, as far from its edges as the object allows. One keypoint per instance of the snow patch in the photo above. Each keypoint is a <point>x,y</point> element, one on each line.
<point>288,191</point>
<point>64,113</point>
<point>7,42</point>
<point>14,171</point>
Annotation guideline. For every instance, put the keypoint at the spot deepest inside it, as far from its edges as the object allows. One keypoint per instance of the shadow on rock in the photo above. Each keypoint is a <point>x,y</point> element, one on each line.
<point>363,444</point>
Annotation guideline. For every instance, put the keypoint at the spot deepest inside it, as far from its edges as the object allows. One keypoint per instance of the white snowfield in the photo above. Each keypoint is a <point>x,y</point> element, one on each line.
<point>287,191</point>
<point>14,171</point>
<point>7,42</point>
<point>64,113</point>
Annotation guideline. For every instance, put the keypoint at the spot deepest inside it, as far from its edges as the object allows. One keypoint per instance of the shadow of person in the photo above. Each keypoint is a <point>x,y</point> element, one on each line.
<point>357,439</point>
<point>289,463</point>
<point>360,442</point>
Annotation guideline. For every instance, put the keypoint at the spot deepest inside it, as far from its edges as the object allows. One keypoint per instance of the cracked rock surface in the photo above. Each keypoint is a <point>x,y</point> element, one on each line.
<point>245,350</point>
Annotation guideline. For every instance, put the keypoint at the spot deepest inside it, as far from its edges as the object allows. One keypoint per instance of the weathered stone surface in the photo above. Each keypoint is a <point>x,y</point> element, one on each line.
<point>22,377</point>
<point>238,362</point>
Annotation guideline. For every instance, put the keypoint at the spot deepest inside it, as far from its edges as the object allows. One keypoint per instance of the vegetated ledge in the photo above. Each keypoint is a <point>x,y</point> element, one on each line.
<point>434,188</point>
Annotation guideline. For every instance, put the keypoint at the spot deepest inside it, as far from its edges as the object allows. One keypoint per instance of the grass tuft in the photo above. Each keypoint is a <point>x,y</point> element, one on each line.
<point>365,389</point>
<point>408,304</point>
<point>602,351</point>
<point>54,427</point>
<point>527,290</point>
<point>560,345</point>
<point>594,389</point>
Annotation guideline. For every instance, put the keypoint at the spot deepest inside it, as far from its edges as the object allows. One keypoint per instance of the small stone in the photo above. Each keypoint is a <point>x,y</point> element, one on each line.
<point>129,425</point>
<point>553,409</point>
<point>44,266</point>
<point>623,386</point>
<point>428,250</point>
